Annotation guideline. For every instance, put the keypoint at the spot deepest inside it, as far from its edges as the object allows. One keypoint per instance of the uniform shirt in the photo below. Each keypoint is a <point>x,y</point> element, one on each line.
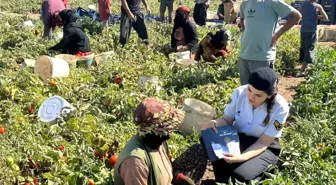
<point>261,21</point>
<point>250,121</point>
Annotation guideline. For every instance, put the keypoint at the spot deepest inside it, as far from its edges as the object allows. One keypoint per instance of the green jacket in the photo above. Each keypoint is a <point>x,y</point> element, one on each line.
<point>136,148</point>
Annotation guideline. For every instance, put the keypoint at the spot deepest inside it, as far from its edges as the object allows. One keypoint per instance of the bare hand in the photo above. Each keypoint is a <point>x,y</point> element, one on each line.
<point>148,11</point>
<point>211,124</point>
<point>131,17</point>
<point>274,39</point>
<point>230,158</point>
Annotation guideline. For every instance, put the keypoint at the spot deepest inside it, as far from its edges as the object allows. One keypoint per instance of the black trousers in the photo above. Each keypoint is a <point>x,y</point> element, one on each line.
<point>307,47</point>
<point>249,170</point>
<point>126,26</point>
<point>200,13</point>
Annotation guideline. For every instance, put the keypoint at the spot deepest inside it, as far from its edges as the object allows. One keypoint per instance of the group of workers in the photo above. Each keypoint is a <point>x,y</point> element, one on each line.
<point>255,108</point>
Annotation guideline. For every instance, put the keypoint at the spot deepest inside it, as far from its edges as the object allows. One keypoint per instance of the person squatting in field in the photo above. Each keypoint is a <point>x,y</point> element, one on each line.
<point>184,36</point>
<point>74,38</point>
<point>49,11</point>
<point>132,16</point>
<point>258,113</point>
<point>214,45</point>
<point>146,160</point>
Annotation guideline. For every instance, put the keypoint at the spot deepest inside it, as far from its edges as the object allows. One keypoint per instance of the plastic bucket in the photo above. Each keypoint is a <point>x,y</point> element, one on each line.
<point>48,67</point>
<point>197,113</point>
<point>85,61</point>
<point>26,24</point>
<point>185,62</point>
<point>100,58</point>
<point>182,55</point>
<point>28,63</point>
<point>71,59</point>
<point>53,108</point>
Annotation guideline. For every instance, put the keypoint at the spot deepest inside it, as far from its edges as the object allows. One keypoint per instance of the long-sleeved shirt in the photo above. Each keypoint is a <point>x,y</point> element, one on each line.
<point>190,34</point>
<point>134,171</point>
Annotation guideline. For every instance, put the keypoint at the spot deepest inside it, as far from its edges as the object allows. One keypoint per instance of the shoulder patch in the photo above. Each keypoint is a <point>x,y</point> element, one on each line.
<point>277,125</point>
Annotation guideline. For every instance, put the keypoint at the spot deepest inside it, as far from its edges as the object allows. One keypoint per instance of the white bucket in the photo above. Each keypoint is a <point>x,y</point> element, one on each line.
<point>48,67</point>
<point>183,55</point>
<point>26,24</point>
<point>28,63</point>
<point>53,108</point>
<point>185,62</point>
<point>197,114</point>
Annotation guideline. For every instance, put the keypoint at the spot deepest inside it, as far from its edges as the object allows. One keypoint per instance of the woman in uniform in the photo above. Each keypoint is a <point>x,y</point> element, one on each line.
<point>258,113</point>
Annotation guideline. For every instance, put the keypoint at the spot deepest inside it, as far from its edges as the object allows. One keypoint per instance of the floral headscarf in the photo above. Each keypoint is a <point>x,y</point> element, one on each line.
<point>154,115</point>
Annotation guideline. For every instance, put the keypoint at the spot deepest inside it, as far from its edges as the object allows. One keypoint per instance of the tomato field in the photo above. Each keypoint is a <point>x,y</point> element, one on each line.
<point>80,149</point>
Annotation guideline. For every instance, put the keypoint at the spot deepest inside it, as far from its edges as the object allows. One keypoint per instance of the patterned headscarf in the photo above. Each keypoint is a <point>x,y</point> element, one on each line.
<point>154,115</point>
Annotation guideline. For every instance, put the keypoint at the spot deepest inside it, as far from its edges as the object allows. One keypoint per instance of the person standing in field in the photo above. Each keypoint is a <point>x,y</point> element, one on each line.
<point>166,4</point>
<point>132,16</point>
<point>49,14</point>
<point>200,11</point>
<point>259,23</point>
<point>104,11</point>
<point>311,11</point>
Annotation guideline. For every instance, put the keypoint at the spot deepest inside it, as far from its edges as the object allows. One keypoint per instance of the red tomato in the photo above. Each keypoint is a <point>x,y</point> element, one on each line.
<point>117,80</point>
<point>35,181</point>
<point>2,130</point>
<point>96,153</point>
<point>61,148</point>
<point>53,83</point>
<point>91,182</point>
<point>113,159</point>
<point>30,110</point>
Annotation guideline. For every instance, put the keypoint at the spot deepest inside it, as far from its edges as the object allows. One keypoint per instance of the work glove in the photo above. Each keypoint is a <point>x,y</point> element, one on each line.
<point>223,53</point>
<point>181,179</point>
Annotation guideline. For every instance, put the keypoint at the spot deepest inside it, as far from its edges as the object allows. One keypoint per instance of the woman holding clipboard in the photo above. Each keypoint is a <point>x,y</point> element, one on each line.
<point>258,113</point>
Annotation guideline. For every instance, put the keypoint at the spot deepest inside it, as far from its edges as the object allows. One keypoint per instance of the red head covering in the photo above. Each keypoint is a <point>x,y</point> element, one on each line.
<point>184,9</point>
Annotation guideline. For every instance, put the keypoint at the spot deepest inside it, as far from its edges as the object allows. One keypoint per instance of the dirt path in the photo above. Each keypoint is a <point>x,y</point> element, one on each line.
<point>287,86</point>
